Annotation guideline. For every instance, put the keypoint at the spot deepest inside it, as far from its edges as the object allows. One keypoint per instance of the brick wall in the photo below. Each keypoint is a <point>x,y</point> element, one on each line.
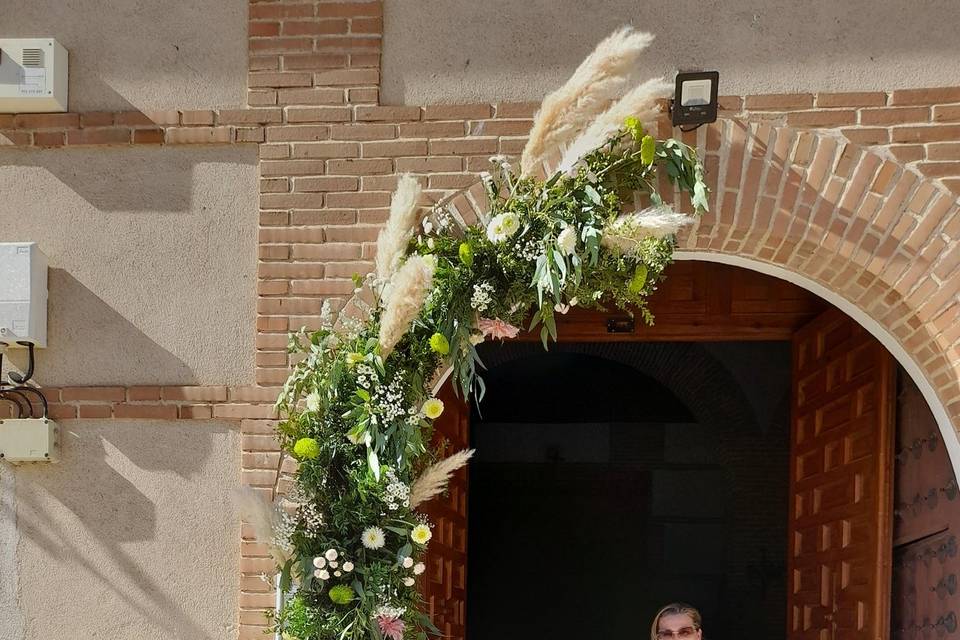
<point>855,190</point>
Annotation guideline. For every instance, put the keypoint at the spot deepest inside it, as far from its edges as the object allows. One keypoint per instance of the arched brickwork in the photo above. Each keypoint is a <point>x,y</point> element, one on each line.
<point>850,224</point>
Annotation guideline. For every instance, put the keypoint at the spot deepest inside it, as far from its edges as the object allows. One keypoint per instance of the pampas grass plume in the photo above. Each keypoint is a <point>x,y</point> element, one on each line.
<point>408,290</point>
<point>435,478</point>
<point>600,78</point>
<point>640,102</point>
<point>261,515</point>
<point>396,233</point>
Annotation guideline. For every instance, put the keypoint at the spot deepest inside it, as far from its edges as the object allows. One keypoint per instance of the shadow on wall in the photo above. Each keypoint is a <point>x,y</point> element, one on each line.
<point>139,180</point>
<point>91,336</point>
<point>144,55</point>
<point>130,531</point>
<point>153,260</point>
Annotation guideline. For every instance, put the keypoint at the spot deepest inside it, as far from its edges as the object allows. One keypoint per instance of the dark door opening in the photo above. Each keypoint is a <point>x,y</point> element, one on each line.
<point>612,479</point>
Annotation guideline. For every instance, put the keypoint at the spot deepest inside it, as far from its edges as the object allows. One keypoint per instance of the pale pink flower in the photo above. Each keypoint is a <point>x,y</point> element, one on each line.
<point>497,328</point>
<point>391,627</point>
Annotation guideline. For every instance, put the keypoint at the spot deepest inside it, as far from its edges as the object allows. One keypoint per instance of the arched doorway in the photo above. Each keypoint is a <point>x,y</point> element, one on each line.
<point>839,561</point>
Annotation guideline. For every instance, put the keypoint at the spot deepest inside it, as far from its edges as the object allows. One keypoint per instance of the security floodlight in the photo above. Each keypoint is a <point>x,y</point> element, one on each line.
<point>695,99</point>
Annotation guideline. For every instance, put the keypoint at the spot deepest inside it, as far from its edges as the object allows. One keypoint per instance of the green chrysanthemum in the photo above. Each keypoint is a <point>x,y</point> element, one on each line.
<point>648,150</point>
<point>465,251</point>
<point>440,344</point>
<point>634,126</point>
<point>306,449</point>
<point>638,280</point>
<point>341,594</point>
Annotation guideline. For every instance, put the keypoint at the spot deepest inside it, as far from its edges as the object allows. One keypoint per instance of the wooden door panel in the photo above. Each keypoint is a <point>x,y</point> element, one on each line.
<point>444,584</point>
<point>840,514</point>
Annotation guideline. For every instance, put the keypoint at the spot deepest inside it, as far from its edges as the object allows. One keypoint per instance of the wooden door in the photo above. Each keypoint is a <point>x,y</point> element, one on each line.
<point>444,585</point>
<point>840,529</point>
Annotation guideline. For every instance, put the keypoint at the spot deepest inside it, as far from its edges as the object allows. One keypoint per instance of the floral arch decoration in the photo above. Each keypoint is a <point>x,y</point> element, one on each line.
<point>357,409</point>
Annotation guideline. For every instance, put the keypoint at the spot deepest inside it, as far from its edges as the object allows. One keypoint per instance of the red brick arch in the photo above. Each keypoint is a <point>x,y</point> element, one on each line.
<point>850,224</point>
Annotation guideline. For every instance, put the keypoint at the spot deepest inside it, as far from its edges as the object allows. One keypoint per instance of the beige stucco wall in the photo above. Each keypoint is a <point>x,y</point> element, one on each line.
<point>132,536</point>
<point>142,54</point>
<point>152,257</point>
<point>503,50</point>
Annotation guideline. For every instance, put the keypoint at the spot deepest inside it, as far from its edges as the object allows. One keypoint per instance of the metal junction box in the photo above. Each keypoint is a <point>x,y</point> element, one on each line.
<point>29,440</point>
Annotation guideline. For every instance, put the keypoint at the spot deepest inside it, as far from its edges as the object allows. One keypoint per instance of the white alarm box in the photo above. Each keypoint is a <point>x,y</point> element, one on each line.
<point>33,75</point>
<point>23,294</point>
<point>29,440</point>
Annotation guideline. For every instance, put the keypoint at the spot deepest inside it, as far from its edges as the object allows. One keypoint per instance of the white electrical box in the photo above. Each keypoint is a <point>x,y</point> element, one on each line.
<point>29,440</point>
<point>23,294</point>
<point>33,75</point>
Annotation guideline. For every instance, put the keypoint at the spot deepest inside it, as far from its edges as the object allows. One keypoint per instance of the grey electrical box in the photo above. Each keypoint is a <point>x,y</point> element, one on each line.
<point>29,440</point>
<point>23,294</point>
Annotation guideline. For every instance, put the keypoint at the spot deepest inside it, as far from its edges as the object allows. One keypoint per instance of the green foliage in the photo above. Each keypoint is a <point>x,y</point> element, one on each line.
<point>355,419</point>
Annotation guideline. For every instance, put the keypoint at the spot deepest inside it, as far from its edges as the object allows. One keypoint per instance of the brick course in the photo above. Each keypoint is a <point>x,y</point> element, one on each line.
<point>879,224</point>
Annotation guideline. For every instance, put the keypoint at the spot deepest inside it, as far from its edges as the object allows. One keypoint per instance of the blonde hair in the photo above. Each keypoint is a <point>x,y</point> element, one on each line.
<point>675,609</point>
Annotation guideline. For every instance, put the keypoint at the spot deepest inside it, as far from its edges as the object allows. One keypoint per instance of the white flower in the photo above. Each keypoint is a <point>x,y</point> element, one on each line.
<point>313,401</point>
<point>567,240</point>
<point>321,574</point>
<point>419,568</point>
<point>319,562</point>
<point>430,243</point>
<point>337,574</point>
<point>427,225</point>
<point>421,534</point>
<point>348,566</point>
<point>331,554</point>
<point>502,227</point>
<point>407,562</point>
<point>409,582</point>
<point>333,564</point>
<point>372,538</point>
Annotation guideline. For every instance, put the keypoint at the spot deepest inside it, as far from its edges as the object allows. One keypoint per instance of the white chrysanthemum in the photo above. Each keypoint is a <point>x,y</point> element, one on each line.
<point>348,566</point>
<point>337,574</point>
<point>421,534</point>
<point>407,562</point>
<point>409,582</point>
<point>502,227</point>
<point>333,564</point>
<point>319,562</point>
<point>373,538</point>
<point>419,568</point>
<point>567,240</point>
<point>322,574</point>
<point>331,554</point>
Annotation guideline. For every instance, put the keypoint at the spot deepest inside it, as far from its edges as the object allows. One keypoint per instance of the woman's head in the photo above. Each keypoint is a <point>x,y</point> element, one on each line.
<point>677,620</point>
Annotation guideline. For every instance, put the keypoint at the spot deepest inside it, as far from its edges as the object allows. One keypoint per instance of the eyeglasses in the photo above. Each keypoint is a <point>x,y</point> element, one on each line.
<point>685,632</point>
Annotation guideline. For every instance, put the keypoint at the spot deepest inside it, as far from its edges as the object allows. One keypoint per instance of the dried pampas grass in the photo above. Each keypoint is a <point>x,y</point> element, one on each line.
<point>640,102</point>
<point>409,288</point>
<point>434,479</point>
<point>623,234</point>
<point>393,238</point>
<point>599,79</point>
<point>263,517</point>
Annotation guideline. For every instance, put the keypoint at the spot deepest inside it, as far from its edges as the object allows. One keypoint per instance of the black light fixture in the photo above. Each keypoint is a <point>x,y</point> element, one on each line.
<point>695,99</point>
